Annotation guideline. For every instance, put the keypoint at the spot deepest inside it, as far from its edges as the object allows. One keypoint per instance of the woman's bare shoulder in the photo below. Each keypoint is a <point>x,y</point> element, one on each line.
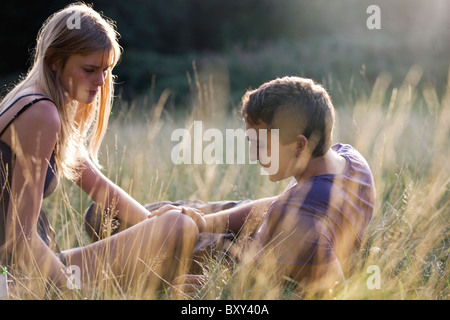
<point>42,116</point>
<point>36,129</point>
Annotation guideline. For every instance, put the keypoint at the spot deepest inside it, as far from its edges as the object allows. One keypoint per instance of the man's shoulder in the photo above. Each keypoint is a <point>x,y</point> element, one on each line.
<point>350,153</point>
<point>311,195</point>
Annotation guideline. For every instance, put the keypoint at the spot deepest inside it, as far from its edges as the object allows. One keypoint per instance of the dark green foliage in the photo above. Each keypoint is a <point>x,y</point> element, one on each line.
<point>255,40</point>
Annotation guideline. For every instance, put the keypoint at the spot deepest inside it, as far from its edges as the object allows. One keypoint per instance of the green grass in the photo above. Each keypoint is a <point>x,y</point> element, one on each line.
<point>402,131</point>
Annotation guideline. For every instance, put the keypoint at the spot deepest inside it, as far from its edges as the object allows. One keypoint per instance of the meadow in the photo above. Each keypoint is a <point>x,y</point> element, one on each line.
<point>403,131</point>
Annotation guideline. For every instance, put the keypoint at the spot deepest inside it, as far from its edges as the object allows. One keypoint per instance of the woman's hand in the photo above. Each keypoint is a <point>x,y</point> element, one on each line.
<point>193,213</point>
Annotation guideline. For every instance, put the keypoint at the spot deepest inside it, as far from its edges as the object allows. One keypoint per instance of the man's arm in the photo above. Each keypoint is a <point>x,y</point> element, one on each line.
<point>246,217</point>
<point>301,250</point>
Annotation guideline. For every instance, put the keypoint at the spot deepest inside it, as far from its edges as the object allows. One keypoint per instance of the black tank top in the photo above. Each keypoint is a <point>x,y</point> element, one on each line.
<point>6,173</point>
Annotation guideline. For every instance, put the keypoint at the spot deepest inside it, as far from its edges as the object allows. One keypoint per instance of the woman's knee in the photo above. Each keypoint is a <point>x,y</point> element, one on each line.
<point>178,227</point>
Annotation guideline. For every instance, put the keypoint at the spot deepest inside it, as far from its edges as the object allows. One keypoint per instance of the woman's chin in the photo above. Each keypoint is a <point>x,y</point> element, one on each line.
<point>86,100</point>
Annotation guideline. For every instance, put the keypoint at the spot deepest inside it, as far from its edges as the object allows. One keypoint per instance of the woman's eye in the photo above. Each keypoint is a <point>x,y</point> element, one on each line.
<point>89,70</point>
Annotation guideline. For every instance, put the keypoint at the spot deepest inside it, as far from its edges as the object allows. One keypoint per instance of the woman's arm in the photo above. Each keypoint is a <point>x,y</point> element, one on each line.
<point>32,138</point>
<point>108,195</point>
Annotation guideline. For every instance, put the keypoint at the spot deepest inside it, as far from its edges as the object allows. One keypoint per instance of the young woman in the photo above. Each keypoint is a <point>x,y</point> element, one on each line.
<point>51,125</point>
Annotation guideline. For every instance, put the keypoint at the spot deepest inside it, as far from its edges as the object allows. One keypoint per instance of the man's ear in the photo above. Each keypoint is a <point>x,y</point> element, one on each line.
<point>302,144</point>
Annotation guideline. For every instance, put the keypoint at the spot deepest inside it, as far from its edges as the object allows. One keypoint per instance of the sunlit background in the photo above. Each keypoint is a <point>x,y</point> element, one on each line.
<point>246,42</point>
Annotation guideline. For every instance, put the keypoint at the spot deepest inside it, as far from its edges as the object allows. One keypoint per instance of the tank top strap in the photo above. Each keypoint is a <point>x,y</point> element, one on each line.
<point>25,107</point>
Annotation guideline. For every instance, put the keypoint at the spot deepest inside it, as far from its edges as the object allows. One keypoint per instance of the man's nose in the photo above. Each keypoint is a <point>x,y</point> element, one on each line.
<point>254,154</point>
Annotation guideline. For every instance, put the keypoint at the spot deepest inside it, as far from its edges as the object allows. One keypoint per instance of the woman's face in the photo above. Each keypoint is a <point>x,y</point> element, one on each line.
<point>84,75</point>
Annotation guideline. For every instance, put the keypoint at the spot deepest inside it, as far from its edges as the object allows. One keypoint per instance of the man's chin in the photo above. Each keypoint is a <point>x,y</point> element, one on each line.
<point>277,176</point>
<point>274,177</point>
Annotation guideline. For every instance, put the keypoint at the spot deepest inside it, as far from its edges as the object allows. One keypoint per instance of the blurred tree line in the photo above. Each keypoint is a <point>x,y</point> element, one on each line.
<point>253,40</point>
<point>164,26</point>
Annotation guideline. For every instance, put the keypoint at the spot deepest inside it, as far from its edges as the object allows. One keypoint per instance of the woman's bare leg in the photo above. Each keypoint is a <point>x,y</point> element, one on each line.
<point>155,249</point>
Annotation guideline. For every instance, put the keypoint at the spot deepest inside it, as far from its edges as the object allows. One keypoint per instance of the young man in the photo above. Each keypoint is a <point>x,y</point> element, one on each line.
<point>323,214</point>
<point>321,217</point>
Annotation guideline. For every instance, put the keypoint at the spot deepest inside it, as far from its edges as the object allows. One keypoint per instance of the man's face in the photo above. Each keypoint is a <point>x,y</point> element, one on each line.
<point>278,160</point>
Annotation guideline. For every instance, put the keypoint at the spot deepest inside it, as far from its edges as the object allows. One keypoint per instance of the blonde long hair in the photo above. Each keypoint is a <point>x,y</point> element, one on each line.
<point>82,125</point>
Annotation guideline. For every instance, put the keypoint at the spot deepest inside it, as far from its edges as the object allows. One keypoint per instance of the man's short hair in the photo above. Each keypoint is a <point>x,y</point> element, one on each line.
<point>294,106</point>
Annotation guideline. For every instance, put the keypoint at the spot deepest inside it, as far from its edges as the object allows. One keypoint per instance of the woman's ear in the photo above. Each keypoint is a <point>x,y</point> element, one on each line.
<point>53,62</point>
<point>54,66</point>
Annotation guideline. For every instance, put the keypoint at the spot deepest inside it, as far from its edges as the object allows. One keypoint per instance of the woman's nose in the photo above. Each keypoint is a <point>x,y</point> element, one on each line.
<point>100,79</point>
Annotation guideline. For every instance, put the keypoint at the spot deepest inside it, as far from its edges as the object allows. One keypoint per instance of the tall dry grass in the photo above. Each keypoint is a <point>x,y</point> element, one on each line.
<point>402,131</point>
